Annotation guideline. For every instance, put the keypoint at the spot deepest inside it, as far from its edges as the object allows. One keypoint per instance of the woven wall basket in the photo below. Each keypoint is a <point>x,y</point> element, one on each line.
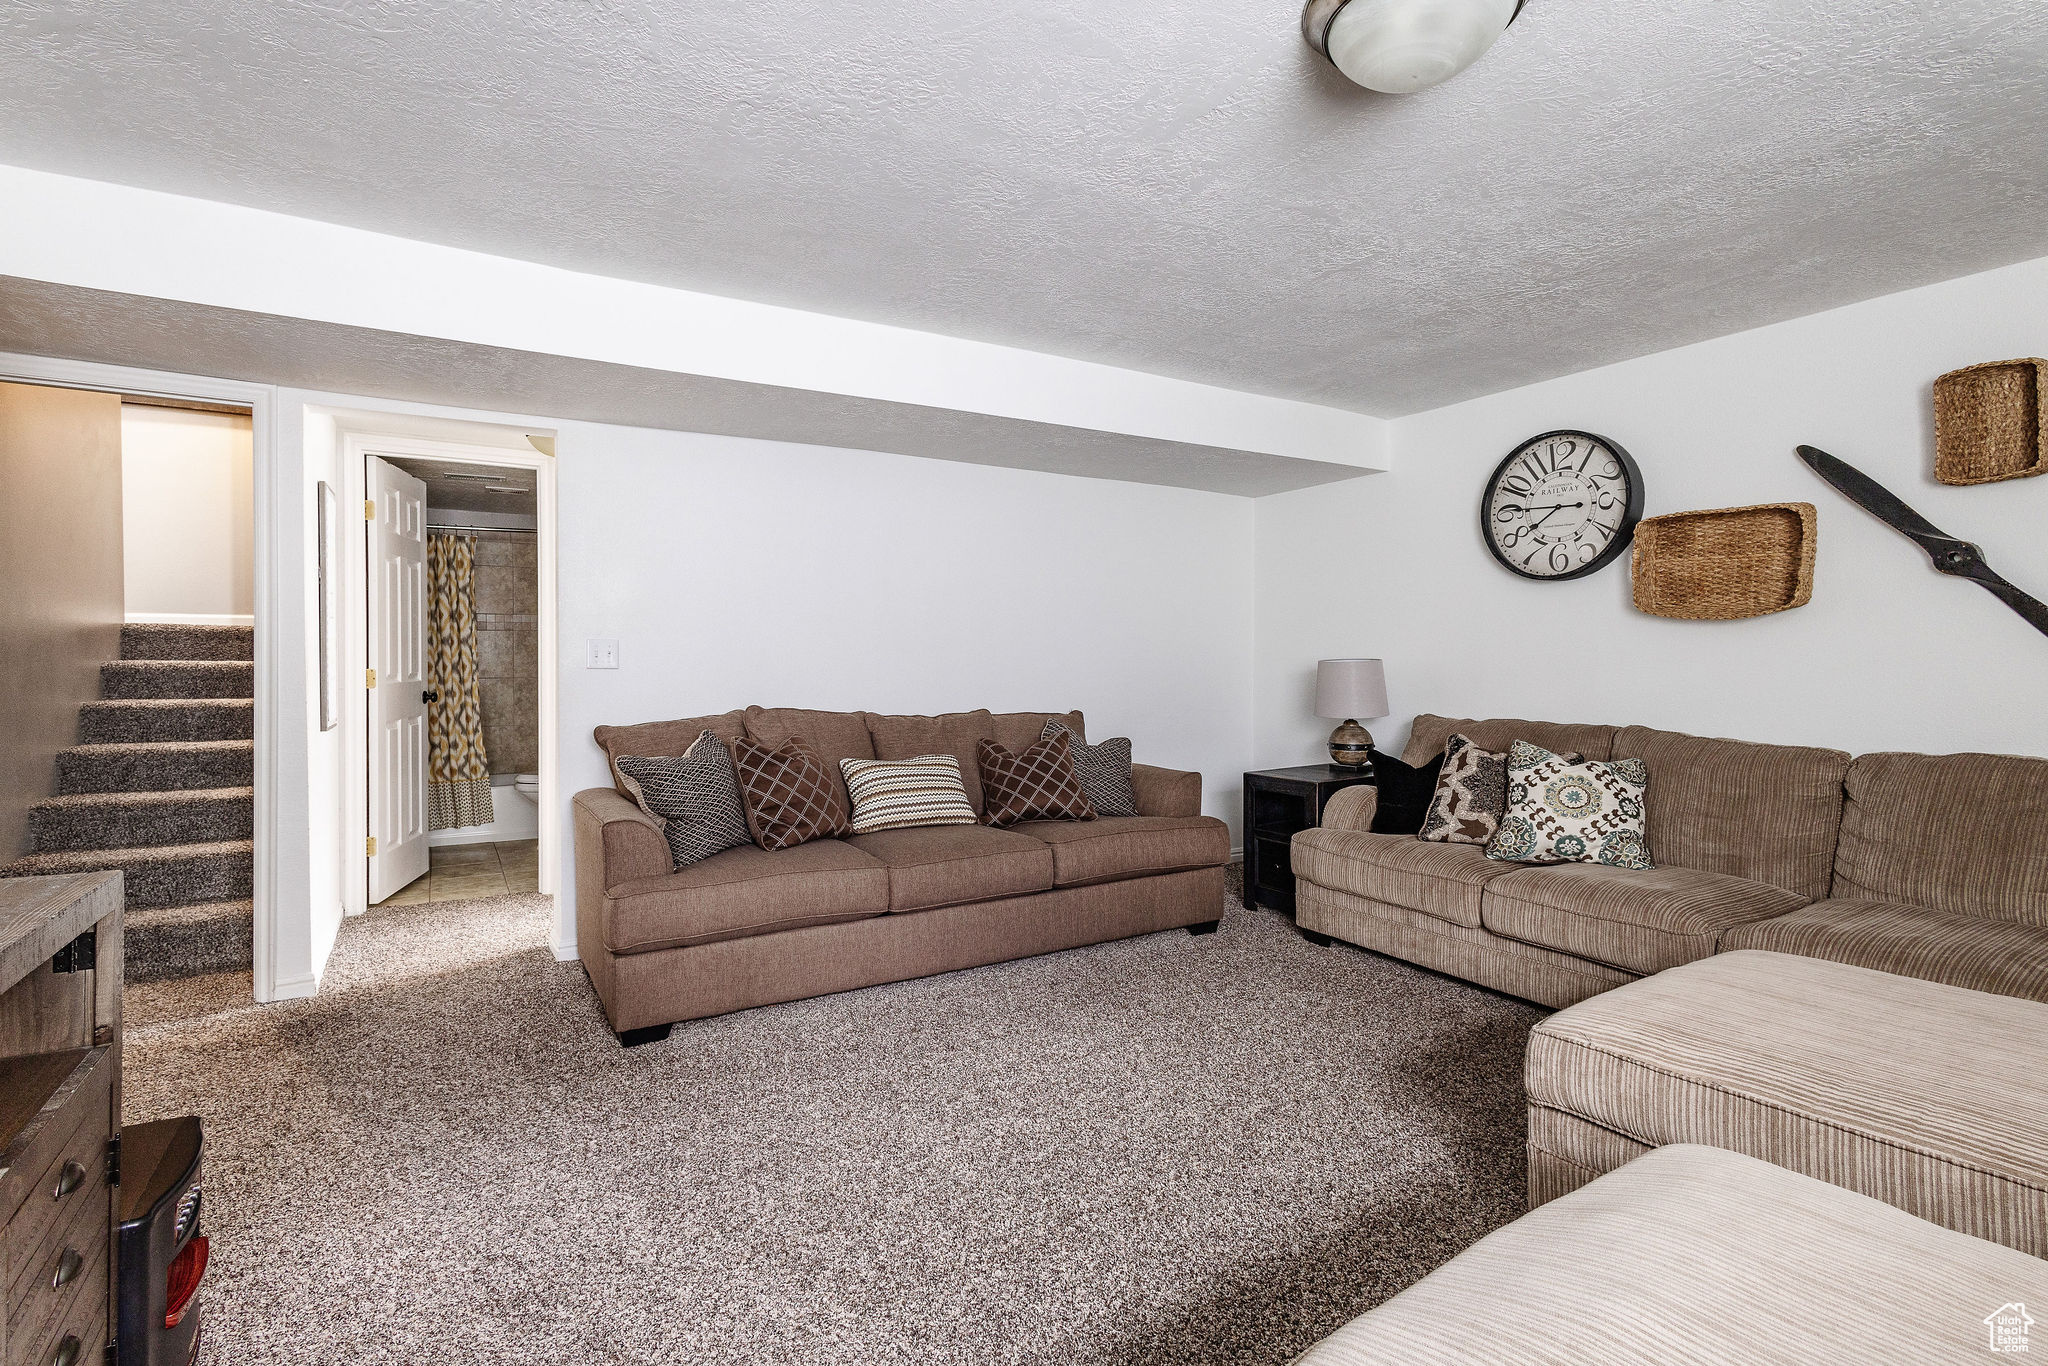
<point>1725,564</point>
<point>1991,422</point>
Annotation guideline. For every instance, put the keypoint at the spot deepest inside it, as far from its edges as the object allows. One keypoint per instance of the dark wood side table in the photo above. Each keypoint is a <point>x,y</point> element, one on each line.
<point>1278,802</point>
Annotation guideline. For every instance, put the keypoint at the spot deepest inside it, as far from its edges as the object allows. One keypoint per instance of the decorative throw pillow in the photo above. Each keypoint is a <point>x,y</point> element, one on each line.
<point>792,797</point>
<point>1405,793</point>
<point>1562,811</point>
<point>1037,785</point>
<point>1471,794</point>
<point>695,796</point>
<point>1104,771</point>
<point>896,794</point>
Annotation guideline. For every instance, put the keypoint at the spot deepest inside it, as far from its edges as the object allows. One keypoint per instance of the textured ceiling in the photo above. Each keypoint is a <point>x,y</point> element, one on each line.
<point>468,488</point>
<point>1173,186</point>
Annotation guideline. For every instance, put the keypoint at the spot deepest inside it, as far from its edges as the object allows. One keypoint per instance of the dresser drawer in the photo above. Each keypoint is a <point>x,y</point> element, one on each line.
<point>77,1341</point>
<point>85,1223</point>
<point>64,1166</point>
<point>66,1297</point>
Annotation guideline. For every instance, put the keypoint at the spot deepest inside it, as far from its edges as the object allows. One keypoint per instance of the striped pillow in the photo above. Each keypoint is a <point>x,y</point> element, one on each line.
<point>895,794</point>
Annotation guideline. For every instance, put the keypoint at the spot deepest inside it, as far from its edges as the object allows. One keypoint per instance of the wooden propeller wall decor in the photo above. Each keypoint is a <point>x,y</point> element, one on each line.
<point>1950,555</point>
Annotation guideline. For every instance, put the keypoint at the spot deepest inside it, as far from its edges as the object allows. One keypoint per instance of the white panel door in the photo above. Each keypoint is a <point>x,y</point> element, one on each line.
<point>398,677</point>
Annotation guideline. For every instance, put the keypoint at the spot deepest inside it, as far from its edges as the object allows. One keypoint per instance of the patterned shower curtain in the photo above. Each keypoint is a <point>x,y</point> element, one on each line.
<point>458,773</point>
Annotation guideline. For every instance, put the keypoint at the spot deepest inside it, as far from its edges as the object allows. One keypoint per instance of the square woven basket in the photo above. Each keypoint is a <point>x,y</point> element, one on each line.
<point>1991,422</point>
<point>1725,564</point>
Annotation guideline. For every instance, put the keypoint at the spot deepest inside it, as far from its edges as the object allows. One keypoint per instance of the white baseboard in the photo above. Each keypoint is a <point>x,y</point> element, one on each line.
<point>564,952</point>
<point>294,988</point>
<point>188,619</point>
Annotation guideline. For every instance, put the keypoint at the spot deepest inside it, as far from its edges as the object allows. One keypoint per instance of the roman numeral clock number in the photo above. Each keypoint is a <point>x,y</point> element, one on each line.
<point>1561,506</point>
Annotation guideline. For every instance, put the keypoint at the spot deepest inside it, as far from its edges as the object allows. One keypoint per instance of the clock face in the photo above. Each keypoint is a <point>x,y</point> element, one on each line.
<point>1562,505</point>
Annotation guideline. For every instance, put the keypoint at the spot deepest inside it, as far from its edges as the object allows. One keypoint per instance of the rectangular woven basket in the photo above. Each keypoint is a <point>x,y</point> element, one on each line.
<point>1991,422</point>
<point>1725,564</point>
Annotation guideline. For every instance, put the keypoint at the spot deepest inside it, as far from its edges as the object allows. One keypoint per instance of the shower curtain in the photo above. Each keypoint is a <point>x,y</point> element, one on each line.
<point>458,773</point>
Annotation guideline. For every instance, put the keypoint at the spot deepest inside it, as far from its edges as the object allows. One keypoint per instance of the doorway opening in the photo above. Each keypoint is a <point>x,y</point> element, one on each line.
<point>128,647</point>
<point>456,632</point>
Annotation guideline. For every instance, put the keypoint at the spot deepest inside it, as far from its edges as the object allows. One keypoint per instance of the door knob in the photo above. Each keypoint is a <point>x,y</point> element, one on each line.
<point>430,695</point>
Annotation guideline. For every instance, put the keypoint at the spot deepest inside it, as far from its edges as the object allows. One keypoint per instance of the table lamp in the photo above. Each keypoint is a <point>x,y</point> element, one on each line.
<point>1347,689</point>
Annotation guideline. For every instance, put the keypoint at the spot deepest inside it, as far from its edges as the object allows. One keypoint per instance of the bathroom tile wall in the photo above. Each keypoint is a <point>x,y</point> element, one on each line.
<point>508,648</point>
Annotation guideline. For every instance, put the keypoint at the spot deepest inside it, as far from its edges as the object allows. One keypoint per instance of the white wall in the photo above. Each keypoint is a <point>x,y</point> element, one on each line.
<point>736,572</point>
<point>188,517</point>
<point>1889,655</point>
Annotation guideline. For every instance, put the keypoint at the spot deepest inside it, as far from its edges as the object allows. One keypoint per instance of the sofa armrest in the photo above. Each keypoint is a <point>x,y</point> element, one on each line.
<point>1352,809</point>
<point>1166,791</point>
<point>618,838</point>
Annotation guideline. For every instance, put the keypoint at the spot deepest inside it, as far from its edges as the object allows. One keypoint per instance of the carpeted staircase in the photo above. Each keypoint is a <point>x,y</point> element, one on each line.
<point>158,786</point>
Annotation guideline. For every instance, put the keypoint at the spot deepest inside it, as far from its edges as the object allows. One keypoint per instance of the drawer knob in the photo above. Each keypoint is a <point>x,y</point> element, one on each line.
<point>67,1351</point>
<point>68,1180</point>
<point>68,1267</point>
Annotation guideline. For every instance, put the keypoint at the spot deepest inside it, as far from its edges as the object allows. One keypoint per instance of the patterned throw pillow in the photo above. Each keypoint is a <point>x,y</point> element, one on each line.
<point>695,796</point>
<point>1104,771</point>
<point>1471,793</point>
<point>1037,785</point>
<point>792,797</point>
<point>896,794</point>
<point>1562,811</point>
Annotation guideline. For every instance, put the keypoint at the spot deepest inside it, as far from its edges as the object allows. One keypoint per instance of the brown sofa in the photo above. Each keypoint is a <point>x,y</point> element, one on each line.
<point>748,927</point>
<point>1931,866</point>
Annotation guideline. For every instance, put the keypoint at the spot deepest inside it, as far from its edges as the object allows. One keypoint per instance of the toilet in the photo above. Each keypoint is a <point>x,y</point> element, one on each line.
<point>528,785</point>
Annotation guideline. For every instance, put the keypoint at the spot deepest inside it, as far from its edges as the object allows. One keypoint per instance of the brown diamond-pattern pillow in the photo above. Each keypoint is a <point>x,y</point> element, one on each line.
<point>1037,784</point>
<point>792,797</point>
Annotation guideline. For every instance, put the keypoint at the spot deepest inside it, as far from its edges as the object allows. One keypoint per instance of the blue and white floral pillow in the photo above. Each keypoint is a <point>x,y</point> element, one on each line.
<point>1564,812</point>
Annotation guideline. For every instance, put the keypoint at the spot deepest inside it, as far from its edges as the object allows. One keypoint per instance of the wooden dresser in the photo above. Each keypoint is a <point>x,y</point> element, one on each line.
<point>60,1110</point>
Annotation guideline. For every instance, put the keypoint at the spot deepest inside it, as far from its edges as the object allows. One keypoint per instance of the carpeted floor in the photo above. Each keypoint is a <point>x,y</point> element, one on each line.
<point>1172,1150</point>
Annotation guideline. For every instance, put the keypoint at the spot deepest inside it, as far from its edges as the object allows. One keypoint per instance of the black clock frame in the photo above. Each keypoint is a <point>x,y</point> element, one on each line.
<point>1623,538</point>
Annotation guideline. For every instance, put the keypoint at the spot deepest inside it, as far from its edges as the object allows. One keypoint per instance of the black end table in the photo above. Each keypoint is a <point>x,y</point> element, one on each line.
<point>1278,802</point>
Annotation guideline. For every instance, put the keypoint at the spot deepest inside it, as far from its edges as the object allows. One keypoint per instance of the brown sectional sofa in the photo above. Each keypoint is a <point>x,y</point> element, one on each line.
<point>748,927</point>
<point>1931,866</point>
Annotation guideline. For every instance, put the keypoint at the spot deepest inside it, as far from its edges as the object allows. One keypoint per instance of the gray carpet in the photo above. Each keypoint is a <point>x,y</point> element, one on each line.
<point>1172,1150</point>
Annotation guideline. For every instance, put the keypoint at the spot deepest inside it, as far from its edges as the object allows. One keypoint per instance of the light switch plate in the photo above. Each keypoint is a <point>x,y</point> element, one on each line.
<point>604,654</point>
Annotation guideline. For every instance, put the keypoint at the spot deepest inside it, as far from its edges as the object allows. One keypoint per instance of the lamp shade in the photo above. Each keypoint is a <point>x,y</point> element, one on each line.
<point>1351,689</point>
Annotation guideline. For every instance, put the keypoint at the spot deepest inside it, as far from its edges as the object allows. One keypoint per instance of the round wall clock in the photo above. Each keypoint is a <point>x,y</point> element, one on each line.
<point>1562,505</point>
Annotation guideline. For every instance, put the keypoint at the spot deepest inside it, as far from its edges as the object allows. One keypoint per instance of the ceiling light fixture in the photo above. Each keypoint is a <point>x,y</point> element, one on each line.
<point>1401,46</point>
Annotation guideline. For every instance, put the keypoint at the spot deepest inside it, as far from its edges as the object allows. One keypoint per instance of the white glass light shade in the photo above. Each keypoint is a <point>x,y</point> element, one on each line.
<point>1401,46</point>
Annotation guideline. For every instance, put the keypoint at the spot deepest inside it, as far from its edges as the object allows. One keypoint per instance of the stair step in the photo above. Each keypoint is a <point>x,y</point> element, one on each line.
<point>161,875</point>
<point>158,719</point>
<point>128,820</point>
<point>160,942</point>
<point>162,766</point>
<point>153,641</point>
<point>177,678</point>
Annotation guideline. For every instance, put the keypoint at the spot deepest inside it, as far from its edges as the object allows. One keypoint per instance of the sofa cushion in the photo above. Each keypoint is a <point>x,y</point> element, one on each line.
<point>1429,735</point>
<point>1443,880</point>
<point>1769,813</point>
<point>1015,730</point>
<point>956,733</point>
<point>1963,833</point>
<point>951,865</point>
<point>745,891</point>
<point>1037,783</point>
<point>1561,810</point>
<point>1640,921</point>
<point>696,797</point>
<point>1912,941</point>
<point>834,735</point>
<point>1930,1097</point>
<point>663,738</point>
<point>1691,1256</point>
<point>1117,847</point>
<point>1104,770</point>
<point>791,796</point>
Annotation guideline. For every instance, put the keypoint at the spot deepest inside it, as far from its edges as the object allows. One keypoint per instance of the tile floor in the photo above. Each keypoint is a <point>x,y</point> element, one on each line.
<point>464,872</point>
